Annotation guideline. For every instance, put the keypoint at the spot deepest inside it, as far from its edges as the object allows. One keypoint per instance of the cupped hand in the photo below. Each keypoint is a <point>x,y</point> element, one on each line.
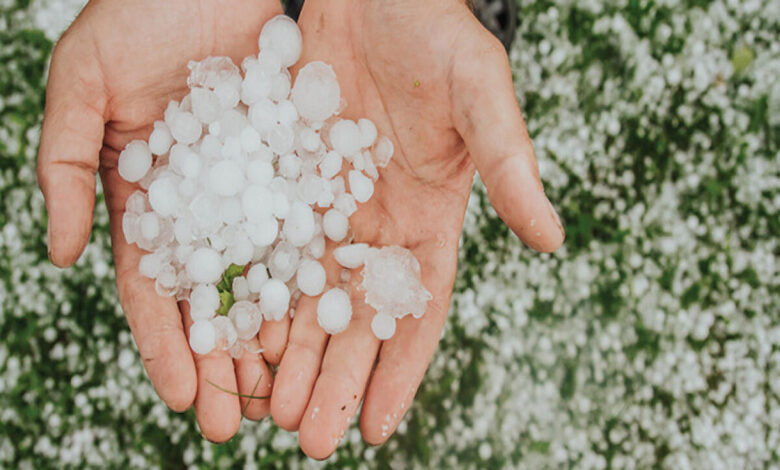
<point>440,86</point>
<point>112,74</point>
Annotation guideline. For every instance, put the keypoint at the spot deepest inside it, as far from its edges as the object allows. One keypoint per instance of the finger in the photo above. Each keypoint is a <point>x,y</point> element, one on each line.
<point>347,364</point>
<point>71,138</point>
<point>254,378</point>
<point>404,358</point>
<point>155,321</point>
<point>487,116</point>
<point>273,339</point>
<point>299,367</point>
<point>217,408</point>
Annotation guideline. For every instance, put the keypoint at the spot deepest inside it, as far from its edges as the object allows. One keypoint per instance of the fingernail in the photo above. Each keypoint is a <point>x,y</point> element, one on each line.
<point>555,216</point>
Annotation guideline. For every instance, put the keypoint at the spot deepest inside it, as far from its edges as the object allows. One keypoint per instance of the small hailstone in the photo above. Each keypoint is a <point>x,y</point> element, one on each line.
<point>330,165</point>
<point>250,139</point>
<point>351,256</point>
<point>263,232</point>
<point>262,115</point>
<point>205,266</point>
<point>230,210</point>
<point>282,35</point>
<point>227,94</point>
<point>290,166</point>
<point>360,186</point>
<point>281,205</point>
<point>260,172</point>
<point>286,113</point>
<point>310,140</point>
<point>134,161</point>
<point>240,250</point>
<point>137,203</point>
<point>150,225</point>
<point>205,105</point>
<point>334,311</point>
<point>150,265</point>
<point>161,139</point>
<point>256,277</point>
<point>316,247</point>
<point>203,337</point>
<point>325,199</point>
<point>186,128</point>
<point>283,261</point>
<point>226,334</point>
<point>163,196</point>
<point>367,133</point>
<point>335,224</point>
<point>240,288</point>
<point>226,178</point>
<point>130,227</point>
<point>185,161</point>
<point>257,202</point>
<point>274,299</point>
<point>204,301</point>
<point>316,92</point>
<point>383,152</point>
<point>246,318</point>
<point>383,326</point>
<point>280,85</point>
<point>256,85</point>
<point>345,137</point>
<point>299,224</point>
<point>281,138</point>
<point>311,277</point>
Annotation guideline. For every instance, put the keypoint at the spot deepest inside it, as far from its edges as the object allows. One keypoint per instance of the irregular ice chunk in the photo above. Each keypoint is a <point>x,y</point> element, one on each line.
<point>226,334</point>
<point>383,152</point>
<point>212,71</point>
<point>351,256</point>
<point>383,326</point>
<point>246,317</point>
<point>311,277</point>
<point>274,299</point>
<point>134,161</point>
<point>205,266</point>
<point>203,337</point>
<point>316,92</point>
<point>334,311</point>
<point>360,186</point>
<point>391,279</point>
<point>335,225</point>
<point>281,34</point>
<point>345,137</point>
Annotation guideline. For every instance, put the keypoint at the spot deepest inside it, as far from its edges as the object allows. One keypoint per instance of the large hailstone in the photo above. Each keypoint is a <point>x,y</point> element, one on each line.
<point>391,279</point>
<point>316,92</point>
<point>281,35</point>
<point>334,311</point>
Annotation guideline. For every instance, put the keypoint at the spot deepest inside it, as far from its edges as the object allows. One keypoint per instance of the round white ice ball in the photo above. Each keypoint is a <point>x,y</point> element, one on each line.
<point>274,299</point>
<point>311,277</point>
<point>334,311</point>
<point>281,34</point>
<point>203,337</point>
<point>204,266</point>
<point>335,225</point>
<point>345,137</point>
<point>316,92</point>
<point>383,326</point>
<point>134,161</point>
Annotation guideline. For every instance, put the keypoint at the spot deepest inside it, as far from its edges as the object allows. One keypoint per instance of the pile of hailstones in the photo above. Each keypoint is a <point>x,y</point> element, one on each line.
<point>248,179</point>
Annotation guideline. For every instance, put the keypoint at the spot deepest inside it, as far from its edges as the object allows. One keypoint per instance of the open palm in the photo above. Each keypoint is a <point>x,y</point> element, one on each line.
<point>112,74</point>
<point>439,85</point>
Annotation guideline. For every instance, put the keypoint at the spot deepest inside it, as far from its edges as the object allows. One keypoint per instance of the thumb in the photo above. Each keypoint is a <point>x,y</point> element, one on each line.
<point>487,116</point>
<point>71,139</point>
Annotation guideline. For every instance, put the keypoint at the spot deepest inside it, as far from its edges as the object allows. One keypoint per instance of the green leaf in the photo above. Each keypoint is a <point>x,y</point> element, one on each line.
<point>741,58</point>
<point>226,300</point>
<point>232,272</point>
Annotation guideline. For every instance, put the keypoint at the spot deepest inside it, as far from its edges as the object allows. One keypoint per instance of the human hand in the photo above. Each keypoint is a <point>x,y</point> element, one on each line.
<point>112,74</point>
<point>439,85</point>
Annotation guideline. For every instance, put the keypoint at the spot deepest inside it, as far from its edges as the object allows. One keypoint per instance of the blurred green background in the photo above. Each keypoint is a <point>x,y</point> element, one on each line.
<point>651,340</point>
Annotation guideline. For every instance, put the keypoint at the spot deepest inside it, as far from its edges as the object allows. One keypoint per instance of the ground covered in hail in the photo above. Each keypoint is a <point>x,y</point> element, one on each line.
<point>651,339</point>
